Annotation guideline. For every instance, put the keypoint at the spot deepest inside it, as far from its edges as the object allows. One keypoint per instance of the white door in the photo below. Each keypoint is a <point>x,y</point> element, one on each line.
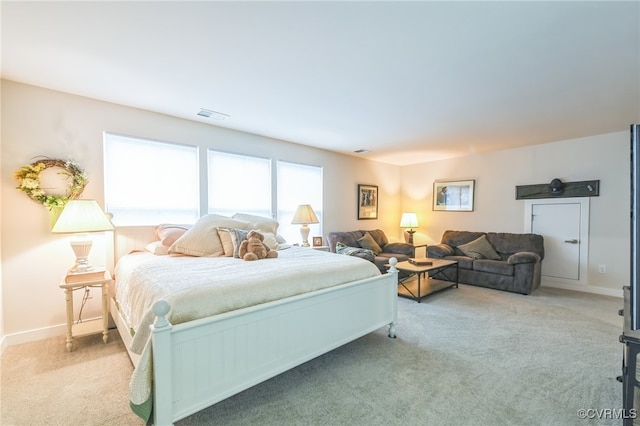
<point>563,224</point>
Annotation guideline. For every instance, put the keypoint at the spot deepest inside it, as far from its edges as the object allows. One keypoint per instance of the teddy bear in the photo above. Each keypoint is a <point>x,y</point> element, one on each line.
<point>253,248</point>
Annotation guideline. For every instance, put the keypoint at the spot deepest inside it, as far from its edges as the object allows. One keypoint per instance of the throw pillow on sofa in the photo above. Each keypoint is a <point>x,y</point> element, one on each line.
<point>368,242</point>
<point>480,248</point>
<point>354,251</point>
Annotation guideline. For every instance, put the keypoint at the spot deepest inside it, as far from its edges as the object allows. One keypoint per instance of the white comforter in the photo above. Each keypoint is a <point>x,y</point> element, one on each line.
<point>198,287</point>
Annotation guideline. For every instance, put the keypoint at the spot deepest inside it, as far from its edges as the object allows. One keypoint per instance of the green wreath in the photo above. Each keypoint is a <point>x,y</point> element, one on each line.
<point>29,181</point>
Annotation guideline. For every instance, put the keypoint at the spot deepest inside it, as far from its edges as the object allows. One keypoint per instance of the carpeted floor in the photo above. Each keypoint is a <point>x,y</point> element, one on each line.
<point>467,356</point>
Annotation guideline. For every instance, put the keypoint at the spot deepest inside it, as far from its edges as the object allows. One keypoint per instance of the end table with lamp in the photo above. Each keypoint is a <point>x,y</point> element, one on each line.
<point>86,280</point>
<point>80,217</point>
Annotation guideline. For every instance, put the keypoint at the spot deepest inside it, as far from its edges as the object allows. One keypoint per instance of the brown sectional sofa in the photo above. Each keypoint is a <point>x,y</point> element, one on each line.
<point>513,265</point>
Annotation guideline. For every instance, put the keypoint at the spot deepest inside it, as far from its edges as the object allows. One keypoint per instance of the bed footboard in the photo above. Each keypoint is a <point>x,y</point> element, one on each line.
<point>200,363</point>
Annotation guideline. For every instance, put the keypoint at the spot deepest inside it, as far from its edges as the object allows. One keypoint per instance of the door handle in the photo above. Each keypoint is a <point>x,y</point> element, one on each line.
<point>571,241</point>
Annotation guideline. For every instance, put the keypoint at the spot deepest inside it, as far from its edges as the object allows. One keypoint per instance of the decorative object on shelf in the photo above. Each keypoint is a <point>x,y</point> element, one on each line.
<point>317,241</point>
<point>80,217</point>
<point>29,181</point>
<point>558,189</point>
<point>304,216</point>
<point>409,220</point>
<point>456,195</point>
<point>367,202</point>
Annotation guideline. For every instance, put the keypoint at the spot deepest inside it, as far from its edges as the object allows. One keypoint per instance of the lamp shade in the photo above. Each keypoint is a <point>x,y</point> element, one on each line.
<point>81,216</point>
<point>409,220</point>
<point>304,215</point>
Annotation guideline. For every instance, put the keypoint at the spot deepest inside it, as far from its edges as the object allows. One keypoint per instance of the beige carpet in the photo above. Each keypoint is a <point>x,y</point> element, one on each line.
<point>467,356</point>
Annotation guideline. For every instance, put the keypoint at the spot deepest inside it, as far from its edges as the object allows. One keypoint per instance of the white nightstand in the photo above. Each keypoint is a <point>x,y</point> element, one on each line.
<point>321,248</point>
<point>72,282</point>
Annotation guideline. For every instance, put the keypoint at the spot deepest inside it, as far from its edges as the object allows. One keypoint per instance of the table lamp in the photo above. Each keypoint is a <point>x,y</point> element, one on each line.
<point>80,217</point>
<point>409,220</point>
<point>304,216</point>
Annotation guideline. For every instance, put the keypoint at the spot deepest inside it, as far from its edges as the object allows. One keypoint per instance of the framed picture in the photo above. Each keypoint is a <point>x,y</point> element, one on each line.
<point>367,202</point>
<point>317,241</point>
<point>456,195</point>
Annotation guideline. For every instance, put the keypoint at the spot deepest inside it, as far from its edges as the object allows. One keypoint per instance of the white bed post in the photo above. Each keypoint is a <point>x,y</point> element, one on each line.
<point>392,270</point>
<point>161,345</point>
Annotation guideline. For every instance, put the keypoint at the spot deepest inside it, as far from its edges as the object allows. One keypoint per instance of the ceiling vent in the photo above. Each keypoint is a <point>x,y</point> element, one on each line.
<point>212,114</point>
<point>362,151</point>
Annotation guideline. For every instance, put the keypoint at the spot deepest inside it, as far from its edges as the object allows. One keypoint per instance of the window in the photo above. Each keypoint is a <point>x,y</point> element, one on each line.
<point>298,184</point>
<point>239,183</point>
<point>149,182</point>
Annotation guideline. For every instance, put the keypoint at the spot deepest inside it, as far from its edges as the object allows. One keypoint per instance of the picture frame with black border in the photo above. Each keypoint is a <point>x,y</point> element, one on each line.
<point>367,202</point>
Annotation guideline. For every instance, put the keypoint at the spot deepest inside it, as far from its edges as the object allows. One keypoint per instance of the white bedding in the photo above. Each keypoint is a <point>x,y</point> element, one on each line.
<point>198,287</point>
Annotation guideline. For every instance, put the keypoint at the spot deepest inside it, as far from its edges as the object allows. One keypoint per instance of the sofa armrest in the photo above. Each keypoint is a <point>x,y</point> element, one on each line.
<point>440,251</point>
<point>524,257</point>
<point>400,248</point>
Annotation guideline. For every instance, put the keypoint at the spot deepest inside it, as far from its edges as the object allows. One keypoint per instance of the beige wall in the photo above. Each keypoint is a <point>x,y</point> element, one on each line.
<point>603,157</point>
<point>40,122</point>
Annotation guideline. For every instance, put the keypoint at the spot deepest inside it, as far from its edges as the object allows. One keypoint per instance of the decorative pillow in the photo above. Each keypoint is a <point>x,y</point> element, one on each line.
<point>231,239</point>
<point>480,248</point>
<point>368,242</point>
<point>169,233</point>
<point>202,239</point>
<point>157,248</point>
<point>225,239</point>
<point>354,251</point>
<point>238,236</point>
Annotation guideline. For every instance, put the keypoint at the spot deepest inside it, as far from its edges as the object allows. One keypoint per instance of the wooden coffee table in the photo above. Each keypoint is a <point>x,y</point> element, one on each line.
<point>424,287</point>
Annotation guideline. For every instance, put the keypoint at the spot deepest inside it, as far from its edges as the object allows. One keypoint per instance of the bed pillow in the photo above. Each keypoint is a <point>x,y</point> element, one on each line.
<point>364,253</point>
<point>157,248</point>
<point>259,223</point>
<point>368,242</point>
<point>202,238</point>
<point>265,225</point>
<point>169,233</point>
<point>480,248</point>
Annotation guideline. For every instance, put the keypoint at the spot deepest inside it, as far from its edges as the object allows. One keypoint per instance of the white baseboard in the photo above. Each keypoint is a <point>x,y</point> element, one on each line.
<point>34,335</point>
<point>584,288</point>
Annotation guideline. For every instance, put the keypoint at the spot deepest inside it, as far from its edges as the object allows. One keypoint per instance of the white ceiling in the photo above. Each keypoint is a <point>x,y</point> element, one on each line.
<point>409,81</point>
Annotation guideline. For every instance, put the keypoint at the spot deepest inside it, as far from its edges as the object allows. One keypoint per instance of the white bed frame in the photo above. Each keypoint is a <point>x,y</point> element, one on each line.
<point>202,362</point>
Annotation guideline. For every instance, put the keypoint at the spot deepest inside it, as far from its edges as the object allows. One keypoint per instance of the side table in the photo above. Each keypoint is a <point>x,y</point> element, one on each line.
<point>72,282</point>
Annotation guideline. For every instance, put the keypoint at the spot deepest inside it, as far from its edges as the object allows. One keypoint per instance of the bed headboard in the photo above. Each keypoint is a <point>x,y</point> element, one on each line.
<point>128,238</point>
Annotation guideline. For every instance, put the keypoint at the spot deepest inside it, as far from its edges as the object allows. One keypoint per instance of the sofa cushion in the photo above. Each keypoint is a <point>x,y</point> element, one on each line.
<point>368,242</point>
<point>401,257</point>
<point>464,262</point>
<point>479,248</point>
<point>493,266</point>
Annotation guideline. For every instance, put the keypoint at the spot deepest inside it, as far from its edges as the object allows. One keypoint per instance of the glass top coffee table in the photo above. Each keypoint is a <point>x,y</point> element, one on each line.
<point>428,281</point>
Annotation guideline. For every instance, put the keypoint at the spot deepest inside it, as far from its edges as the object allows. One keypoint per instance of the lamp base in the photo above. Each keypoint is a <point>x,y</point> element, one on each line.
<point>81,248</point>
<point>408,236</point>
<point>304,232</point>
